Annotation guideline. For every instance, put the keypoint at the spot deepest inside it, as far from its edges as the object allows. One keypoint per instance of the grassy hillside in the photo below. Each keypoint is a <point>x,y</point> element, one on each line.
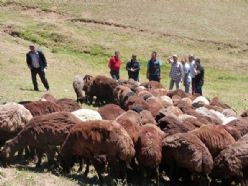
<point>78,36</point>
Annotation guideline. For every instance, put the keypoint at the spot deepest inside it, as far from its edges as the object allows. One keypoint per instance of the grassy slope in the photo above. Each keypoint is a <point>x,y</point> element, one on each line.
<point>215,31</point>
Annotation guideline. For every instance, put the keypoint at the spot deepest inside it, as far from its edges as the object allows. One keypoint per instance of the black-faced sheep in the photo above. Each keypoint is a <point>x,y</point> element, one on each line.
<point>97,138</point>
<point>13,118</point>
<point>184,154</point>
<point>42,133</point>
<point>102,88</point>
<point>149,148</point>
<point>215,137</point>
<point>38,108</point>
<point>110,111</point>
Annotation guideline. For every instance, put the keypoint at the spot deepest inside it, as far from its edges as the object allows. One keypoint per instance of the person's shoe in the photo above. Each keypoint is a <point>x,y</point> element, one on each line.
<point>36,89</point>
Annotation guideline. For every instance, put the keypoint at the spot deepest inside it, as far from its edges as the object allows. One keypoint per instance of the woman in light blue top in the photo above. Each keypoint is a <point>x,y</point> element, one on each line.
<point>187,76</point>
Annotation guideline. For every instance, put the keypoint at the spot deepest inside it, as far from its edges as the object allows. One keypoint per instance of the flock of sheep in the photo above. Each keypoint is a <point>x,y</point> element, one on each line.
<point>139,130</point>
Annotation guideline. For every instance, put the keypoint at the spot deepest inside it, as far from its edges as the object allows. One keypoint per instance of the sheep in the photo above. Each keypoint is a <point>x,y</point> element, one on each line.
<point>42,133</point>
<point>146,117</point>
<point>172,110</point>
<point>229,113</point>
<point>154,105</point>
<point>80,84</point>
<point>68,105</point>
<point>131,122</point>
<point>121,94</point>
<point>215,137</point>
<point>13,118</point>
<point>103,88</point>
<point>244,114</point>
<point>96,138</point>
<point>178,92</point>
<point>149,148</point>
<point>200,101</point>
<point>240,125</point>
<point>135,101</point>
<point>87,114</point>
<point>210,114</point>
<point>38,108</point>
<point>166,101</point>
<point>217,102</point>
<point>158,92</point>
<point>48,97</point>
<point>184,153</point>
<point>152,85</point>
<point>110,111</point>
<point>171,125</point>
<point>232,163</point>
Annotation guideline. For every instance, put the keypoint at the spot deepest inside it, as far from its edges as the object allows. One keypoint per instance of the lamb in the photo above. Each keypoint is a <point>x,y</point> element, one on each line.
<point>97,138</point>
<point>13,118</point>
<point>42,133</point>
<point>80,84</point>
<point>232,162</point>
<point>103,88</point>
<point>184,153</point>
<point>215,137</point>
<point>149,148</point>
<point>38,108</point>
<point>87,114</point>
<point>110,111</point>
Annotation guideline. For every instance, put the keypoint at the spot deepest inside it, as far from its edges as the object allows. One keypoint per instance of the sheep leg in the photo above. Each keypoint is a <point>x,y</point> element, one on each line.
<point>50,156</point>
<point>80,161</point>
<point>157,175</point>
<point>87,167</point>
<point>39,155</point>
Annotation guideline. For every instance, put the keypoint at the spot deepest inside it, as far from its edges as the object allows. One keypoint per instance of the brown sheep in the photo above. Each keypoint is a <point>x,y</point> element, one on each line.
<point>154,105</point>
<point>233,131</point>
<point>146,117</point>
<point>215,137</point>
<point>232,163</point>
<point>48,97</point>
<point>177,92</point>
<point>244,114</point>
<point>184,154</point>
<point>149,148</point>
<point>152,85</point>
<point>68,105</point>
<point>135,101</point>
<point>170,125</point>
<point>217,102</point>
<point>38,108</point>
<point>97,138</point>
<point>102,88</point>
<point>110,111</point>
<point>240,124</point>
<point>42,133</point>
<point>158,92</point>
<point>121,94</point>
<point>131,122</point>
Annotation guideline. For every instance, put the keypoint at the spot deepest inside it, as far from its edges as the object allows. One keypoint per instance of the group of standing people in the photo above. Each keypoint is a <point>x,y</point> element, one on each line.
<point>188,71</point>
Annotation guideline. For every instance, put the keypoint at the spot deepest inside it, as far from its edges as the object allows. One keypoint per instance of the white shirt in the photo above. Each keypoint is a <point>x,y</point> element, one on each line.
<point>192,69</point>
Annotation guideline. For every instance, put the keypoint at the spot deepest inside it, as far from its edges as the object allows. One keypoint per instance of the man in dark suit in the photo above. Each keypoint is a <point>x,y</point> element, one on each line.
<point>37,64</point>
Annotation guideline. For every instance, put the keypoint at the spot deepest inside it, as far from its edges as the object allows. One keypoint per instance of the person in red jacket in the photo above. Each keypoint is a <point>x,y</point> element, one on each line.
<point>114,65</point>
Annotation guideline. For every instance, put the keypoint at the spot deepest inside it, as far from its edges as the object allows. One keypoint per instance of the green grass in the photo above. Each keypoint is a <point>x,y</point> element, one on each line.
<point>216,31</point>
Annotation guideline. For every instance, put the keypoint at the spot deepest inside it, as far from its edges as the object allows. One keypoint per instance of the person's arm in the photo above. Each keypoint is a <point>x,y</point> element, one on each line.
<point>182,72</point>
<point>169,59</point>
<point>137,67</point>
<point>127,67</point>
<point>43,59</point>
<point>28,60</point>
<point>110,63</point>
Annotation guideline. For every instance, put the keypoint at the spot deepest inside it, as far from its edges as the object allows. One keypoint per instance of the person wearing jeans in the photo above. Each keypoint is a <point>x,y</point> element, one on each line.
<point>176,72</point>
<point>37,64</point>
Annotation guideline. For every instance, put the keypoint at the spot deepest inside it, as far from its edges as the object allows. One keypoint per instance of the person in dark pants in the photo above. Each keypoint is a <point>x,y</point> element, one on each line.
<point>114,65</point>
<point>133,68</point>
<point>153,68</point>
<point>199,76</point>
<point>37,64</point>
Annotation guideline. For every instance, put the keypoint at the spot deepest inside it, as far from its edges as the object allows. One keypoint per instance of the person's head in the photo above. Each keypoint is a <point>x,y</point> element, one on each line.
<point>197,61</point>
<point>183,60</point>
<point>174,57</point>
<point>133,57</point>
<point>117,54</point>
<point>154,56</point>
<point>32,47</point>
<point>191,57</point>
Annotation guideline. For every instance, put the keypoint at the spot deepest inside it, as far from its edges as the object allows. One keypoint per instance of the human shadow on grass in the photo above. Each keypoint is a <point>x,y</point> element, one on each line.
<point>29,89</point>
